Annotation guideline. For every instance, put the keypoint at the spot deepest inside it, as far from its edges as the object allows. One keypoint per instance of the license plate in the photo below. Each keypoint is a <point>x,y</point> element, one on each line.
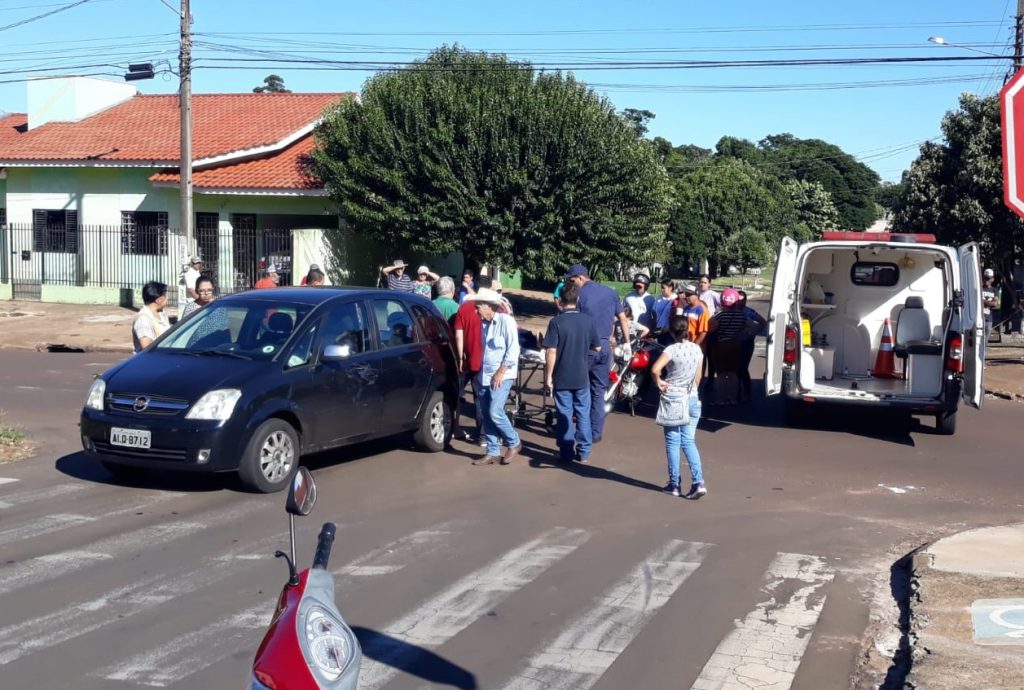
<point>130,438</point>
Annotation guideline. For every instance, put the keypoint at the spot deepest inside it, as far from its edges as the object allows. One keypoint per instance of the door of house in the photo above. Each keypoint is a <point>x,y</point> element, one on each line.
<point>255,250</point>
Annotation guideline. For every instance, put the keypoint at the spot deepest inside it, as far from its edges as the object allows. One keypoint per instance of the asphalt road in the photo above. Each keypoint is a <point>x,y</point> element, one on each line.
<point>481,577</point>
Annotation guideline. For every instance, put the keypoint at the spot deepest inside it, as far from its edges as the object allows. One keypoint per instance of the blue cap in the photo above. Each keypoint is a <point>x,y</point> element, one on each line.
<point>578,270</point>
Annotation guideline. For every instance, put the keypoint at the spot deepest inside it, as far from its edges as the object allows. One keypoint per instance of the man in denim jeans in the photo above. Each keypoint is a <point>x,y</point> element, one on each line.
<point>497,373</point>
<point>570,336</point>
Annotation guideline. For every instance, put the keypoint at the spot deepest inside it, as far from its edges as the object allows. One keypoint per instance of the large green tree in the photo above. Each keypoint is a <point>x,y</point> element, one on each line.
<point>718,199</point>
<point>473,152</point>
<point>851,184</point>
<point>955,188</point>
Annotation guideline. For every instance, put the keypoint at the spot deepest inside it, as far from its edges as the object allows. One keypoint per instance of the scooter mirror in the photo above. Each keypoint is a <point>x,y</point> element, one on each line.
<point>302,495</point>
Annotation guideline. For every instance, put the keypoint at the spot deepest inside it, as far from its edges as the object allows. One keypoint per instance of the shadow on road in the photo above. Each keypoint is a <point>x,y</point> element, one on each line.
<point>80,466</point>
<point>413,660</point>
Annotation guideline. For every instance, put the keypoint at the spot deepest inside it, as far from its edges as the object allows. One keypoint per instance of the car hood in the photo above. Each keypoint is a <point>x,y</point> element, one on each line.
<point>180,376</point>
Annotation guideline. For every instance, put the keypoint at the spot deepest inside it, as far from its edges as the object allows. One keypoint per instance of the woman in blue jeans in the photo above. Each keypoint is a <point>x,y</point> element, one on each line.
<point>683,360</point>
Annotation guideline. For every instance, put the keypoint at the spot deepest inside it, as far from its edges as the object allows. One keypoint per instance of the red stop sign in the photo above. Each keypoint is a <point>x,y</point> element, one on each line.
<point>1011,106</point>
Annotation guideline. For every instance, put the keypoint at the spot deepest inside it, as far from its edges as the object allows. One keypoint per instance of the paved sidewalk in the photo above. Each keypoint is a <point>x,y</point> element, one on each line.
<point>966,611</point>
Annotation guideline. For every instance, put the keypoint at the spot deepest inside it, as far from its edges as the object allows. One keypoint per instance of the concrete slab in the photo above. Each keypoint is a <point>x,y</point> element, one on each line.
<point>988,552</point>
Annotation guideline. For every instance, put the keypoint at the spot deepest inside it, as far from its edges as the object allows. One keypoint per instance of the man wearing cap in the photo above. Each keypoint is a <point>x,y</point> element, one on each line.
<point>697,314</point>
<point>395,275</point>
<point>195,267</point>
<point>603,305</point>
<point>270,280</point>
<point>991,294</point>
<point>499,366</point>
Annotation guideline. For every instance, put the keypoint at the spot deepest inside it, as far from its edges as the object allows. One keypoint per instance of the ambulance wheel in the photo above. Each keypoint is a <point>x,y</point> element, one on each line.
<point>945,423</point>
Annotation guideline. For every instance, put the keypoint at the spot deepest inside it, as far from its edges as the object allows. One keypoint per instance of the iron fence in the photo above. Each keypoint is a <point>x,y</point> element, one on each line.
<point>134,253</point>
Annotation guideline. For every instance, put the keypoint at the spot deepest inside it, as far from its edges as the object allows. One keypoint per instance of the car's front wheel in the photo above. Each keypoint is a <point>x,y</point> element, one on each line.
<point>435,430</point>
<point>271,457</point>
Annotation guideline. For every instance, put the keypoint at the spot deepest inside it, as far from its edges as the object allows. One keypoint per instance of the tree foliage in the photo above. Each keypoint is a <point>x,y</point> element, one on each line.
<point>748,248</point>
<point>720,198</point>
<point>471,152</point>
<point>272,83</point>
<point>851,183</point>
<point>815,212</point>
<point>955,188</point>
<point>638,119</point>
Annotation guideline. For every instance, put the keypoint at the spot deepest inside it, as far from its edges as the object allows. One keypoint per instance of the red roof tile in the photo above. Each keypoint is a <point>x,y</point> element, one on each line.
<point>145,128</point>
<point>9,127</point>
<point>284,170</point>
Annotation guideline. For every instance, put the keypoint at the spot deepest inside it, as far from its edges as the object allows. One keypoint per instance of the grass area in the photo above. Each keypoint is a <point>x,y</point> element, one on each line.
<point>14,444</point>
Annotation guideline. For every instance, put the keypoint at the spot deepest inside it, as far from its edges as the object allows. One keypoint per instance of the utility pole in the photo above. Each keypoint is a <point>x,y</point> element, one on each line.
<point>1018,38</point>
<point>185,106</point>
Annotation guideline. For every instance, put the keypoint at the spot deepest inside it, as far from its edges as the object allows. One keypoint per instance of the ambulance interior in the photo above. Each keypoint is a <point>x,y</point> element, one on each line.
<point>844,297</point>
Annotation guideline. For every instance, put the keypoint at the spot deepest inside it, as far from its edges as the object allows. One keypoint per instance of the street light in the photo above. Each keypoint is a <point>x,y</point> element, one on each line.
<point>939,40</point>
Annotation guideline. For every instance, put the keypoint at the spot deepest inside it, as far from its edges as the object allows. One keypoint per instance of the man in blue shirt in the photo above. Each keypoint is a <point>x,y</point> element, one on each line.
<point>603,305</point>
<point>571,336</point>
<point>497,373</point>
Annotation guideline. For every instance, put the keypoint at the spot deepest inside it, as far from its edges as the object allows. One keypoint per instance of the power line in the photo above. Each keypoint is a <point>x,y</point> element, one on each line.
<point>44,15</point>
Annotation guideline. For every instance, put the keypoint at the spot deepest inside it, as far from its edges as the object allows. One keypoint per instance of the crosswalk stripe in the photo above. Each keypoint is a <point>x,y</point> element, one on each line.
<point>450,612</point>
<point>580,654</point>
<point>7,480</point>
<point>51,566</point>
<point>37,527</point>
<point>765,648</point>
<point>186,654</point>
<point>39,495</point>
<point>120,603</point>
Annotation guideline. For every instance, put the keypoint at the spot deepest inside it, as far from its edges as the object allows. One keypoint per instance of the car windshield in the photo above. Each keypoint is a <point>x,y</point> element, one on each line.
<point>255,330</point>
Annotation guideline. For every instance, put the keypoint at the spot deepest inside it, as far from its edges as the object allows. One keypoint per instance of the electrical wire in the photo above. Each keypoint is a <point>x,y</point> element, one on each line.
<point>44,15</point>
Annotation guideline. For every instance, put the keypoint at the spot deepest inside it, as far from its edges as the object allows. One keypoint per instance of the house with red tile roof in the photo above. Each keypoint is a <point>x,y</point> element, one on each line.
<point>89,189</point>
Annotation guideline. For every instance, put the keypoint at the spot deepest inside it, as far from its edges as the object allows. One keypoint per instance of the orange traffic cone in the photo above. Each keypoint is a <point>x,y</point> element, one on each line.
<point>885,362</point>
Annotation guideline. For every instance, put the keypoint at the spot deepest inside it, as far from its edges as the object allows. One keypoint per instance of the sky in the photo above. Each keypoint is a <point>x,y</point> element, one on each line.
<point>632,52</point>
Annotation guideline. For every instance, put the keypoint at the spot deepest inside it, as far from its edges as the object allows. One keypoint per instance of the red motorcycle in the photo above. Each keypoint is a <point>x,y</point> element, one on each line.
<point>630,375</point>
<point>308,645</point>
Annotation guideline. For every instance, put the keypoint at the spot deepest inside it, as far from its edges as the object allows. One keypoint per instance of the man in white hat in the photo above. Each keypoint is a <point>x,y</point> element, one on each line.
<point>497,373</point>
<point>195,267</point>
<point>270,280</point>
<point>396,277</point>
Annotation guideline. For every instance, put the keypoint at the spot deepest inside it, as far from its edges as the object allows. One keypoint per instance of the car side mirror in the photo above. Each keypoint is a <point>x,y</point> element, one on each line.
<point>336,352</point>
<point>302,494</point>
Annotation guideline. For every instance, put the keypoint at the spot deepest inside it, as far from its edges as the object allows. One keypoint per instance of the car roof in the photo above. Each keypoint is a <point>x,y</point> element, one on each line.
<point>308,295</point>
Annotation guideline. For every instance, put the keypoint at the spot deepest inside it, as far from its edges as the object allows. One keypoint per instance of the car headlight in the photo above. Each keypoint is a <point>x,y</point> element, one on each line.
<point>216,405</point>
<point>98,389</point>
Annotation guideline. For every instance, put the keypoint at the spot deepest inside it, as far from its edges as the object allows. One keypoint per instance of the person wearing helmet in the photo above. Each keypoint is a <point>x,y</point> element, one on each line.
<point>641,301</point>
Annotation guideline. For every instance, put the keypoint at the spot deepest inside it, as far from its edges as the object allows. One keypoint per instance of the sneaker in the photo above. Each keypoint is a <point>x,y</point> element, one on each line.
<point>695,492</point>
<point>670,489</point>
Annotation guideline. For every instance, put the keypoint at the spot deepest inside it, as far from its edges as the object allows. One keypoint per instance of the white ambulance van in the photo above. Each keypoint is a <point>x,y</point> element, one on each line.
<point>878,320</point>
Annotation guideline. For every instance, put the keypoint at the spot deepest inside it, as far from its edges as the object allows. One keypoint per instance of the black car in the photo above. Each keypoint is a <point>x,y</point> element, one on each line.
<point>255,380</point>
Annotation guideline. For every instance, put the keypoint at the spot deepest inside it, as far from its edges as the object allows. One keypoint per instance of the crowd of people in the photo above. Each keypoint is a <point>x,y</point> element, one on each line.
<point>702,332</point>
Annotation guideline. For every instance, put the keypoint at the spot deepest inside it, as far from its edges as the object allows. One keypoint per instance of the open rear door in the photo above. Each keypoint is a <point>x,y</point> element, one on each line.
<point>783,292</point>
<point>973,323</point>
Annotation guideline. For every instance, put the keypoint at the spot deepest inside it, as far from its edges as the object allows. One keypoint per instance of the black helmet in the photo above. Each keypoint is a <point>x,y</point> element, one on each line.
<point>642,278</point>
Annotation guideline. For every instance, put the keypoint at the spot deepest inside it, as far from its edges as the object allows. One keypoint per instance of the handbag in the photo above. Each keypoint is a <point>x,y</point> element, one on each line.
<point>673,408</point>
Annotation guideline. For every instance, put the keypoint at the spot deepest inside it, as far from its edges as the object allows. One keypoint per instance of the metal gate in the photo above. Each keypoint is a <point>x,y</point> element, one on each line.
<point>255,250</point>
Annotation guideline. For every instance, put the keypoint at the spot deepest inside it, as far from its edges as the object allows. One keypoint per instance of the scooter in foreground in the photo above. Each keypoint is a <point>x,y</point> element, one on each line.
<point>308,645</point>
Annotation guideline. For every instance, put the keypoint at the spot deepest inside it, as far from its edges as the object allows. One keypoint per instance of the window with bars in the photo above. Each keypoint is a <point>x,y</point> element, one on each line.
<point>144,232</point>
<point>55,230</point>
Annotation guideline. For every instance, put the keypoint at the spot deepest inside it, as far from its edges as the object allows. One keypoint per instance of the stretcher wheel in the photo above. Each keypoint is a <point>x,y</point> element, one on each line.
<point>549,419</point>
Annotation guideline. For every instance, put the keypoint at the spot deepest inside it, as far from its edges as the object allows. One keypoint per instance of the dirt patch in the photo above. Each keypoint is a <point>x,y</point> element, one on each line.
<point>14,445</point>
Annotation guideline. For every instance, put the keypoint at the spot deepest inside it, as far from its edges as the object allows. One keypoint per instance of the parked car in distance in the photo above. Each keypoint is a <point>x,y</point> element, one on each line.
<point>256,380</point>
